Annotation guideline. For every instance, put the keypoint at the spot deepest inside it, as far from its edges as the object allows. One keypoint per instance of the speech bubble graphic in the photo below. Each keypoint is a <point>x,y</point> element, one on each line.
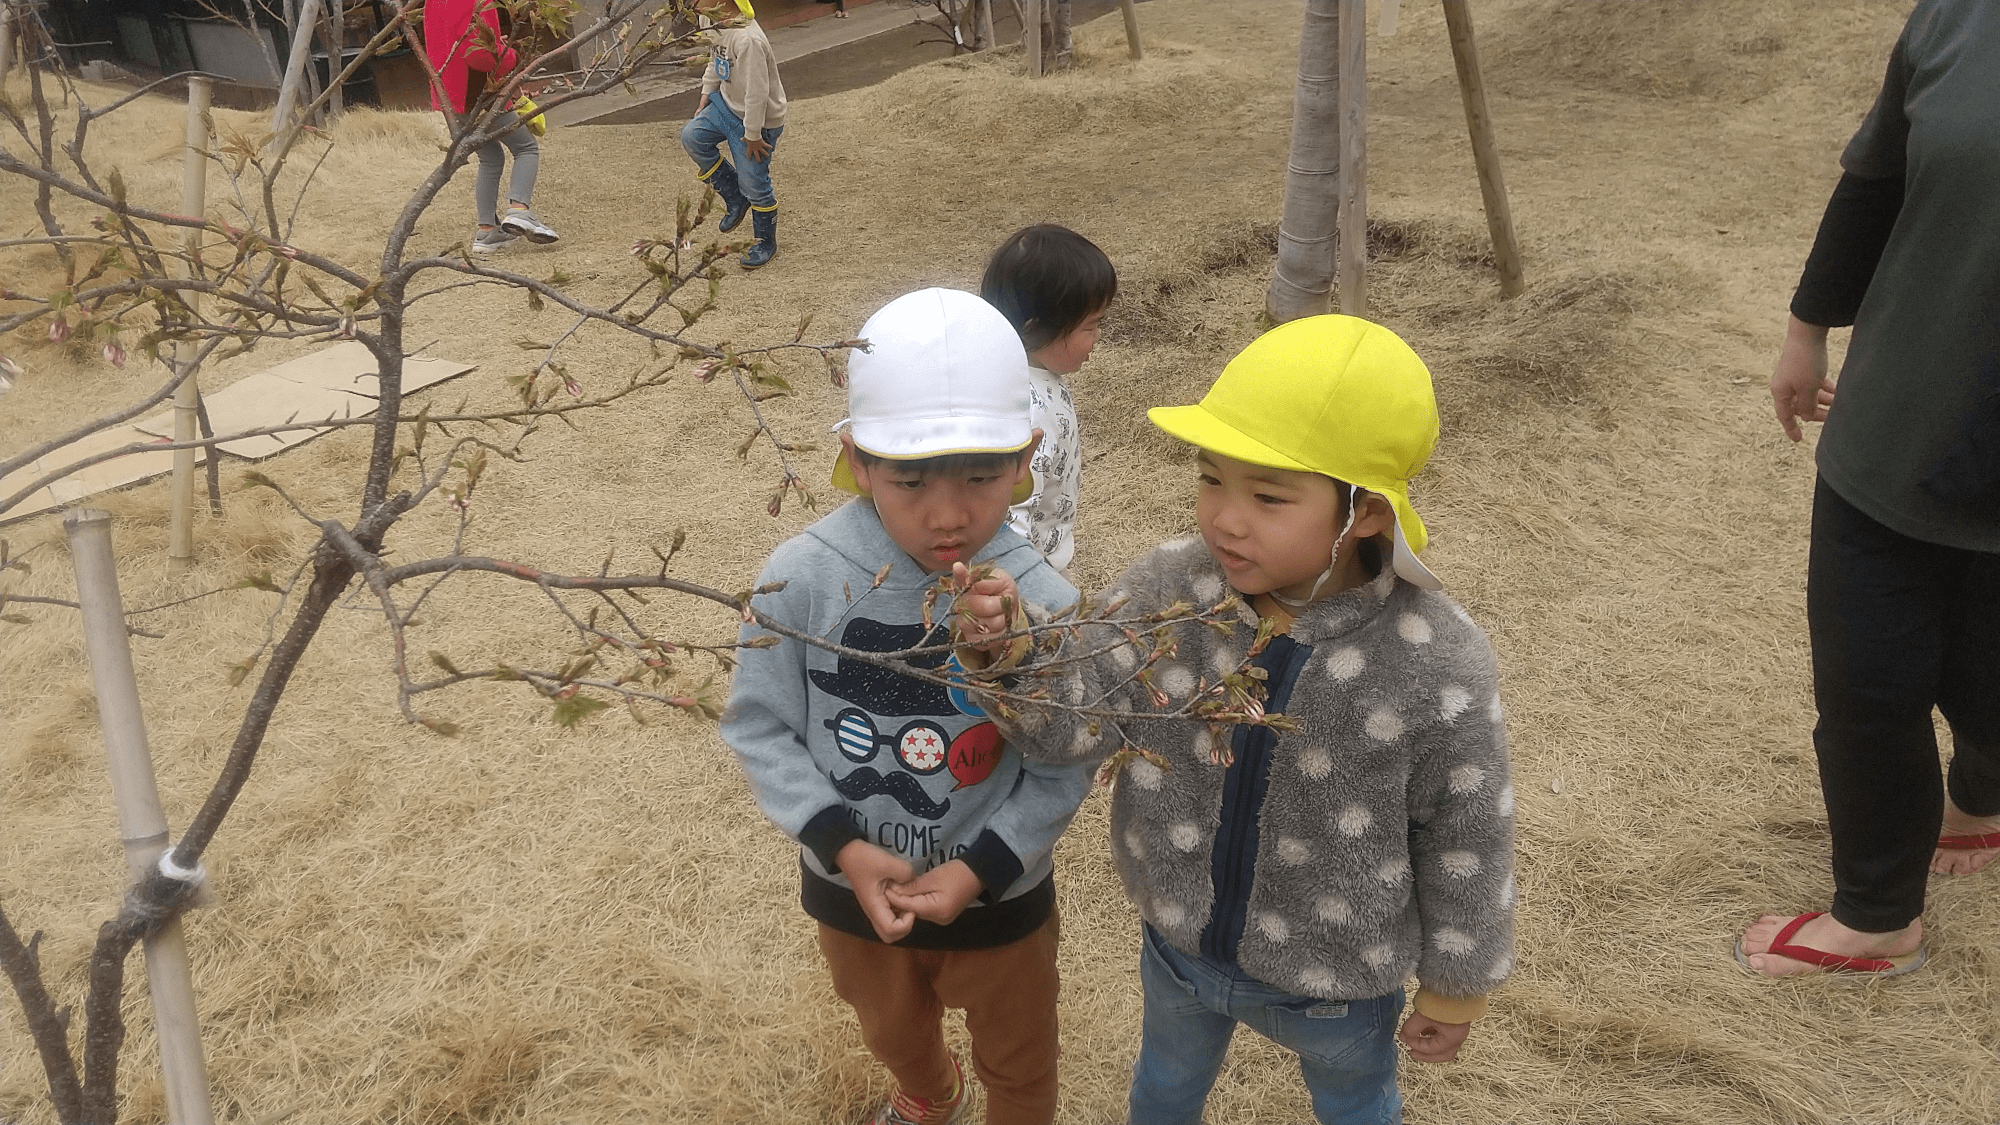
<point>973,755</point>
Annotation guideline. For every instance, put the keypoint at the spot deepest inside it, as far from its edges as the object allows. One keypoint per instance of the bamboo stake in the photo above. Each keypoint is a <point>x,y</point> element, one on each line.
<point>295,69</point>
<point>1351,270</point>
<point>187,396</point>
<point>142,827</point>
<point>1485,153</point>
<point>1031,27</point>
<point>1132,28</point>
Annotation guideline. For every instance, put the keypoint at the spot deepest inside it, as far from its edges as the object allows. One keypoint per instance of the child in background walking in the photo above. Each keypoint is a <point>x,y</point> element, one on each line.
<point>926,843</point>
<point>465,62</point>
<point>1293,880</point>
<point>1053,285</point>
<point>743,106</point>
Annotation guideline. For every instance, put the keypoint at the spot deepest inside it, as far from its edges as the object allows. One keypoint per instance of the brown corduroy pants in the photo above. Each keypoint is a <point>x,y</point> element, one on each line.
<point>1009,997</point>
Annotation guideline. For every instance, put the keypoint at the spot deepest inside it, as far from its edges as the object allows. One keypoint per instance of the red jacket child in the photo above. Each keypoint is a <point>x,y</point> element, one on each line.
<point>457,48</point>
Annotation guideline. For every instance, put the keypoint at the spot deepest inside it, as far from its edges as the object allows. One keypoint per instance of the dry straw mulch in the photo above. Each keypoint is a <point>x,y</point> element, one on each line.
<point>522,924</point>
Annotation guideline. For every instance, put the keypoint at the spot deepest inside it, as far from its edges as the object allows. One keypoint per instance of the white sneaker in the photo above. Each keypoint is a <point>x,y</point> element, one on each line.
<point>521,221</point>
<point>492,241</point>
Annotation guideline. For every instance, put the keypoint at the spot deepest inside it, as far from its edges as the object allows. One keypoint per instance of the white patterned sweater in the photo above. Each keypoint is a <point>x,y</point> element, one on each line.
<point>1047,518</point>
<point>1385,843</point>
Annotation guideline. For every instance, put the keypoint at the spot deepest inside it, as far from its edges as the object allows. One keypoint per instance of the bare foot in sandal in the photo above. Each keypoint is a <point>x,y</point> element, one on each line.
<point>1965,833</point>
<point>1832,947</point>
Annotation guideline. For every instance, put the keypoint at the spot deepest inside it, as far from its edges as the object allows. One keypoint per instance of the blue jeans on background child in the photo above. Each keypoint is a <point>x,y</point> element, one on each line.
<point>1346,1048</point>
<point>717,125</point>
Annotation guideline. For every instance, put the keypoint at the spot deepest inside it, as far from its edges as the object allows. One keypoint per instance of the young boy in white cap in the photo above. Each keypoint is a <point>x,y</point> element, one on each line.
<point>1292,880</point>
<point>926,842</point>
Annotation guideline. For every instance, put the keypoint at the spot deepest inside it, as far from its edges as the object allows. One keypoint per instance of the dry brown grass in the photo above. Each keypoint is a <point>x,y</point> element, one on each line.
<point>525,924</point>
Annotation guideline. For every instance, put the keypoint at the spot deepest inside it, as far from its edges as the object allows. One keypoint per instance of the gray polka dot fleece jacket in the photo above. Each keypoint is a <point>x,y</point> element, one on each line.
<point>1385,839</point>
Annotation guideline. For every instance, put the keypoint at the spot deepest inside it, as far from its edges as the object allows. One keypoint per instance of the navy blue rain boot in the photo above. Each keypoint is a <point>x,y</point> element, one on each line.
<point>723,180</point>
<point>765,223</point>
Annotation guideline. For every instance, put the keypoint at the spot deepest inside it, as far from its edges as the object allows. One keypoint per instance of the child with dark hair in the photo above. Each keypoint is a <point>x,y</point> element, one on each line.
<point>1053,285</point>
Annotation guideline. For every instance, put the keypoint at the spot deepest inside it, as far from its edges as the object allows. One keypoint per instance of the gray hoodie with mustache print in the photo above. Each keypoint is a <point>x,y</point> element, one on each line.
<point>836,749</point>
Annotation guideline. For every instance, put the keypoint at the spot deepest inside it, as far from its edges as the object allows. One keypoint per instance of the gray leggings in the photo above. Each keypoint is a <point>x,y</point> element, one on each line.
<point>493,156</point>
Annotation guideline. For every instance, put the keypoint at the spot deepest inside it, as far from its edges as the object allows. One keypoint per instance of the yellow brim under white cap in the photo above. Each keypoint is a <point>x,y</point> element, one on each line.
<point>1202,429</point>
<point>843,473</point>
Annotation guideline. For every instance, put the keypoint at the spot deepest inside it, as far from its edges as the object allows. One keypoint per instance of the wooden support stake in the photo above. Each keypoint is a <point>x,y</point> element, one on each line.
<point>142,827</point>
<point>187,396</point>
<point>985,18</point>
<point>6,40</point>
<point>295,71</point>
<point>1485,154</point>
<point>333,36</point>
<point>1132,28</point>
<point>1351,270</point>
<point>1031,26</point>
<point>1385,24</point>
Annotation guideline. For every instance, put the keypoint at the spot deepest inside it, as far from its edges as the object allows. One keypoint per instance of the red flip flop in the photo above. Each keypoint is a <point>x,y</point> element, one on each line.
<point>1833,962</point>
<point>1969,843</point>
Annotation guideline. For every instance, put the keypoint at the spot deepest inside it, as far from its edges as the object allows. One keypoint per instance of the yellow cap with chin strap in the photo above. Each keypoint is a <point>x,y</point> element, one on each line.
<point>1334,395</point>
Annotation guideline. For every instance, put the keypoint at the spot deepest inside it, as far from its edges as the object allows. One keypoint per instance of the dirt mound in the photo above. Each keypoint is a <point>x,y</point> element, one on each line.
<point>1704,49</point>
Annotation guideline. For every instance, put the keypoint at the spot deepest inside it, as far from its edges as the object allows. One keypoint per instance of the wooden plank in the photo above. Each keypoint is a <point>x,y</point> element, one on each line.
<point>1132,28</point>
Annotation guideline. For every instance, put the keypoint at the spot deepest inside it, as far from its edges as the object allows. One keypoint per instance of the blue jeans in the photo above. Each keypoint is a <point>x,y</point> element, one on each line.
<point>717,125</point>
<point>1346,1048</point>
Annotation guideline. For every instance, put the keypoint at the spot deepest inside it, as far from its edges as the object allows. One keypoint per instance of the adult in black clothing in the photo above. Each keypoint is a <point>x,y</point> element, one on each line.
<point>1903,586</point>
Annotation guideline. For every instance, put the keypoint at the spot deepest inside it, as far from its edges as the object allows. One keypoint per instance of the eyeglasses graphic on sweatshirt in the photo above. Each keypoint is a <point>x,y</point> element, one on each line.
<point>921,745</point>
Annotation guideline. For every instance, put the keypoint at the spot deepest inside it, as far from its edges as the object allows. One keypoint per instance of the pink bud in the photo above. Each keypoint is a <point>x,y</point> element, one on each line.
<point>574,388</point>
<point>705,370</point>
<point>639,248</point>
<point>114,354</point>
<point>775,502</point>
<point>58,330</point>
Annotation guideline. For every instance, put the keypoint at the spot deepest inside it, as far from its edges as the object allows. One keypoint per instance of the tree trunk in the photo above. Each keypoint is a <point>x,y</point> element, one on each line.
<point>1302,282</point>
<point>1055,35</point>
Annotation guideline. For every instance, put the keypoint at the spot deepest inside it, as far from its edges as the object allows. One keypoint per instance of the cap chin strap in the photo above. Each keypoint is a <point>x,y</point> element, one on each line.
<point>1353,506</point>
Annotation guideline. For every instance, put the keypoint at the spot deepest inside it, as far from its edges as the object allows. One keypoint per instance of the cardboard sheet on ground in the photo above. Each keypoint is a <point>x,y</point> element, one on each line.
<point>336,383</point>
<point>339,382</point>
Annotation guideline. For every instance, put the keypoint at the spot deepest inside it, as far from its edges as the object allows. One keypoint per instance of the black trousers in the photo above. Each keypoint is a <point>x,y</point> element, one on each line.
<point>1899,626</point>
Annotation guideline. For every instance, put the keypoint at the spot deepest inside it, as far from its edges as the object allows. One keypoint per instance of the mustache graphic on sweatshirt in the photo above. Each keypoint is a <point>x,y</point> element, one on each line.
<point>864,783</point>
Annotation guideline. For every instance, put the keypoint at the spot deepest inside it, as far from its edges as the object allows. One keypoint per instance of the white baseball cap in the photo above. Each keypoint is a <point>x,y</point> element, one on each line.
<point>945,373</point>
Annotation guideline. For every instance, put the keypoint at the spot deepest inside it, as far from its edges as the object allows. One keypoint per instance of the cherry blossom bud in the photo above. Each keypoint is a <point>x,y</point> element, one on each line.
<point>705,370</point>
<point>574,388</point>
<point>58,330</point>
<point>114,354</point>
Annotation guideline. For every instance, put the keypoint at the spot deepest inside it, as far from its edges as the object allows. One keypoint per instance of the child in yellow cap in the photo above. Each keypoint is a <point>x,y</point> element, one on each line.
<point>742,108</point>
<point>1294,880</point>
